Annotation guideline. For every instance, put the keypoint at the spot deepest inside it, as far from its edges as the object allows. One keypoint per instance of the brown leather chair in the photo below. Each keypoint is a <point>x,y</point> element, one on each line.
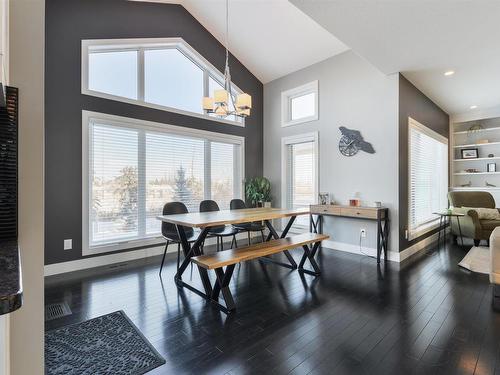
<point>470,224</point>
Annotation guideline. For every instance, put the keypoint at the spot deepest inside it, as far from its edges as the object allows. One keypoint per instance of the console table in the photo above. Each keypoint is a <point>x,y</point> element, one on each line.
<point>379,214</point>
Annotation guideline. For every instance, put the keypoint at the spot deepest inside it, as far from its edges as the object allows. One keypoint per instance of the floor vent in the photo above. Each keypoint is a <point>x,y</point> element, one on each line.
<point>56,310</point>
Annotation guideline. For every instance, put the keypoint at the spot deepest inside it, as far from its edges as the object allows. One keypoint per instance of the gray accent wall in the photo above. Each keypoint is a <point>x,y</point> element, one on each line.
<point>352,93</point>
<point>67,23</point>
<point>413,103</point>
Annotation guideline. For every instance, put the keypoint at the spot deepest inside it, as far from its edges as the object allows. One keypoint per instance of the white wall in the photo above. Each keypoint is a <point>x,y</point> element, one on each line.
<point>26,47</point>
<point>352,93</point>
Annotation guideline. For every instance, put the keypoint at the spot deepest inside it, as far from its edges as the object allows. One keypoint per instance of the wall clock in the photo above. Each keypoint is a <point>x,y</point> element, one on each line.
<point>352,141</point>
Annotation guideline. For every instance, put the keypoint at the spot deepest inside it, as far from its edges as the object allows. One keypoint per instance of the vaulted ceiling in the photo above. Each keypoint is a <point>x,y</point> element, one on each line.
<point>272,38</point>
<point>421,39</point>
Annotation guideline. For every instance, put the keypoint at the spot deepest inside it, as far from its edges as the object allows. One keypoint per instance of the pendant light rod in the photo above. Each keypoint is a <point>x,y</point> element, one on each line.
<point>223,103</point>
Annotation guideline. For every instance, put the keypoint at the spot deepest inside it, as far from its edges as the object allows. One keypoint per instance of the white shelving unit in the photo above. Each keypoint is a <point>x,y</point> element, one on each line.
<point>462,138</point>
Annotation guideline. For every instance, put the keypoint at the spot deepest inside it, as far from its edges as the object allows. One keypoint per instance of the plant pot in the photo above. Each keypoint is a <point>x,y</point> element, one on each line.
<point>259,204</point>
<point>267,204</point>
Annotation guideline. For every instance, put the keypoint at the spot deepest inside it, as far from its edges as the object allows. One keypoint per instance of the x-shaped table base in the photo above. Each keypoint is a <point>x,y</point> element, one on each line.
<point>221,285</point>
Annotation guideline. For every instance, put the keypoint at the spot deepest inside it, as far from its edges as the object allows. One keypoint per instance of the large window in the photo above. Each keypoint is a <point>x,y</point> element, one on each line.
<point>300,173</point>
<point>165,73</point>
<point>299,104</point>
<point>428,178</point>
<point>132,168</point>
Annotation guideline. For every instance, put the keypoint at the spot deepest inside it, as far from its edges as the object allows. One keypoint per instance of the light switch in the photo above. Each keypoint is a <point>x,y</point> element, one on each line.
<point>68,244</point>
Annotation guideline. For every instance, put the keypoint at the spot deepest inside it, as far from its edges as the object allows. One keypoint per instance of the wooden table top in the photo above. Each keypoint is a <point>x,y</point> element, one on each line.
<point>215,218</point>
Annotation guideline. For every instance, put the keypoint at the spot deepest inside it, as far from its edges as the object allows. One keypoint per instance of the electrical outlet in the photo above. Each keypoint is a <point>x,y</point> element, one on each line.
<point>68,244</point>
<point>363,233</point>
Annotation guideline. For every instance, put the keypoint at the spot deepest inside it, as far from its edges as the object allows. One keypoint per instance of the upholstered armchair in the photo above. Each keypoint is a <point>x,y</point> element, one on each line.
<point>471,225</point>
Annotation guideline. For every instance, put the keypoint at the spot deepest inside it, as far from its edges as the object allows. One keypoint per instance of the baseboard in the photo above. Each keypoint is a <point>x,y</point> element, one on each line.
<point>415,248</point>
<point>391,255</point>
<point>105,260</point>
<point>355,249</point>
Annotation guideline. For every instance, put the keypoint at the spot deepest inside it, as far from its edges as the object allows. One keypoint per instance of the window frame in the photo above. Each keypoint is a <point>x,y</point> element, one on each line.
<point>286,103</point>
<point>433,224</point>
<point>291,140</point>
<point>133,123</point>
<point>140,45</point>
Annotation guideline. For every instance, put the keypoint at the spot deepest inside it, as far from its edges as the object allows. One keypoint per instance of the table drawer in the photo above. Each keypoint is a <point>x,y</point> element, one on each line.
<point>325,209</point>
<point>368,213</point>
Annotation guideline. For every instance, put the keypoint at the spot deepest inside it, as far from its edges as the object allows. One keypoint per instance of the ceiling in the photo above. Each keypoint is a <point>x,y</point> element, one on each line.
<point>423,39</point>
<point>272,38</point>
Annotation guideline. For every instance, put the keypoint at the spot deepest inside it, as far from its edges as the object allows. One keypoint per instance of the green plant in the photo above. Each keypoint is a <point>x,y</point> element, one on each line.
<point>257,190</point>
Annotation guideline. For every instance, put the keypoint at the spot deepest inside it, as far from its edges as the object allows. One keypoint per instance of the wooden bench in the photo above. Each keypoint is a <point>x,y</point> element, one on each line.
<point>229,258</point>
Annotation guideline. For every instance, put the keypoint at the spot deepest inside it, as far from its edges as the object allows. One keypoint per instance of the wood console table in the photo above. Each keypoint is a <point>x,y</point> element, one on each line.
<point>380,214</point>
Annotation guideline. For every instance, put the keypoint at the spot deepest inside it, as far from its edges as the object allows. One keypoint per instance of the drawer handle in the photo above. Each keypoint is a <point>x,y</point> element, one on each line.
<point>325,210</point>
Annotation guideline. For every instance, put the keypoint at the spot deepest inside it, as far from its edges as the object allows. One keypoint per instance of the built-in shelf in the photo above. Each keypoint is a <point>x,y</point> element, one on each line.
<point>469,173</point>
<point>476,159</point>
<point>478,131</point>
<point>460,135</point>
<point>477,144</point>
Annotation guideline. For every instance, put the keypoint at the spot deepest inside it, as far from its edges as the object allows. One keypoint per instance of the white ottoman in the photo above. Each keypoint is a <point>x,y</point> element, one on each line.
<point>495,265</point>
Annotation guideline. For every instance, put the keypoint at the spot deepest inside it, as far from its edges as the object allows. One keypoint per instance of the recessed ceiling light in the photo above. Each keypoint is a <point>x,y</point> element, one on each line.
<point>449,73</point>
<point>473,106</point>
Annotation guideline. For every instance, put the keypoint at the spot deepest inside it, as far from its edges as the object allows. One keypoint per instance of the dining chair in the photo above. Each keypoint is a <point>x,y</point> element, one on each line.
<point>220,231</point>
<point>238,204</point>
<point>169,231</point>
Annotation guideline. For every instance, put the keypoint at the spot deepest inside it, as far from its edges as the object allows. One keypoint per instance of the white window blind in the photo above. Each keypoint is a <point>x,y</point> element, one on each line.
<point>428,178</point>
<point>301,191</point>
<point>134,170</point>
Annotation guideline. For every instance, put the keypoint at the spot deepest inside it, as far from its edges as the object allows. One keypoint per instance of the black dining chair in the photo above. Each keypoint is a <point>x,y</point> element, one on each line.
<point>169,231</point>
<point>220,231</point>
<point>238,204</point>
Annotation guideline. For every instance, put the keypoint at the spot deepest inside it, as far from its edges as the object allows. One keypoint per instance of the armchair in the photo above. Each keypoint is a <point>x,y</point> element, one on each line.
<point>472,226</point>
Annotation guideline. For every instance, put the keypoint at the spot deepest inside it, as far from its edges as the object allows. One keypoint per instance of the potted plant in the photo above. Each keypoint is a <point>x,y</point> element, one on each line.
<point>258,192</point>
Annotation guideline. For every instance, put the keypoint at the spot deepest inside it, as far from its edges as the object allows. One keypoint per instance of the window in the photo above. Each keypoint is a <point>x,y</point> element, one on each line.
<point>133,167</point>
<point>300,104</point>
<point>428,178</point>
<point>172,80</point>
<point>300,173</point>
<point>162,73</point>
<point>114,73</point>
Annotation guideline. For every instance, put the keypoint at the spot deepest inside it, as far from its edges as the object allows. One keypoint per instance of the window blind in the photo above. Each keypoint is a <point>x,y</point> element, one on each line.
<point>134,171</point>
<point>428,178</point>
<point>300,174</point>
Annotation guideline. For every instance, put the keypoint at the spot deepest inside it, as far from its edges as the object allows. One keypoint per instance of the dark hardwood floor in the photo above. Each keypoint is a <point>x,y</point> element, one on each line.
<point>427,316</point>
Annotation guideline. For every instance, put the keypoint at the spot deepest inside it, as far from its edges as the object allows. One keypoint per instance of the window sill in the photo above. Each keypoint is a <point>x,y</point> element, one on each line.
<point>299,121</point>
<point>118,246</point>
<point>423,230</point>
<point>142,103</point>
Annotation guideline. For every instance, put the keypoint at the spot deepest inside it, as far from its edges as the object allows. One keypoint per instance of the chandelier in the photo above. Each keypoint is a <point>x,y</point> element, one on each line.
<point>224,104</point>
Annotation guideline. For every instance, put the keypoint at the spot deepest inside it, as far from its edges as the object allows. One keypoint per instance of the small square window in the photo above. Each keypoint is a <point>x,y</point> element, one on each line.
<point>300,104</point>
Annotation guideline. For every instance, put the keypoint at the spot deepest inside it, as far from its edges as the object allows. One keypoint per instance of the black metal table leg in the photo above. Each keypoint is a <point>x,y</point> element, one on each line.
<point>189,252</point>
<point>439,230</point>
<point>222,286</point>
<point>273,233</point>
<point>385,242</point>
<point>379,231</point>
<point>460,231</point>
<point>309,254</point>
<point>444,231</point>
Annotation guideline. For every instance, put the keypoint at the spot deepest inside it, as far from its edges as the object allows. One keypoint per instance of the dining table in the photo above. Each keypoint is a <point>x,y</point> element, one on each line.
<point>203,221</point>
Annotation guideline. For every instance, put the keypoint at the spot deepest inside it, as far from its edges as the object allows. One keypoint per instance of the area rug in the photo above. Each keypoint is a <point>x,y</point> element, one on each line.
<point>477,260</point>
<point>109,344</point>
